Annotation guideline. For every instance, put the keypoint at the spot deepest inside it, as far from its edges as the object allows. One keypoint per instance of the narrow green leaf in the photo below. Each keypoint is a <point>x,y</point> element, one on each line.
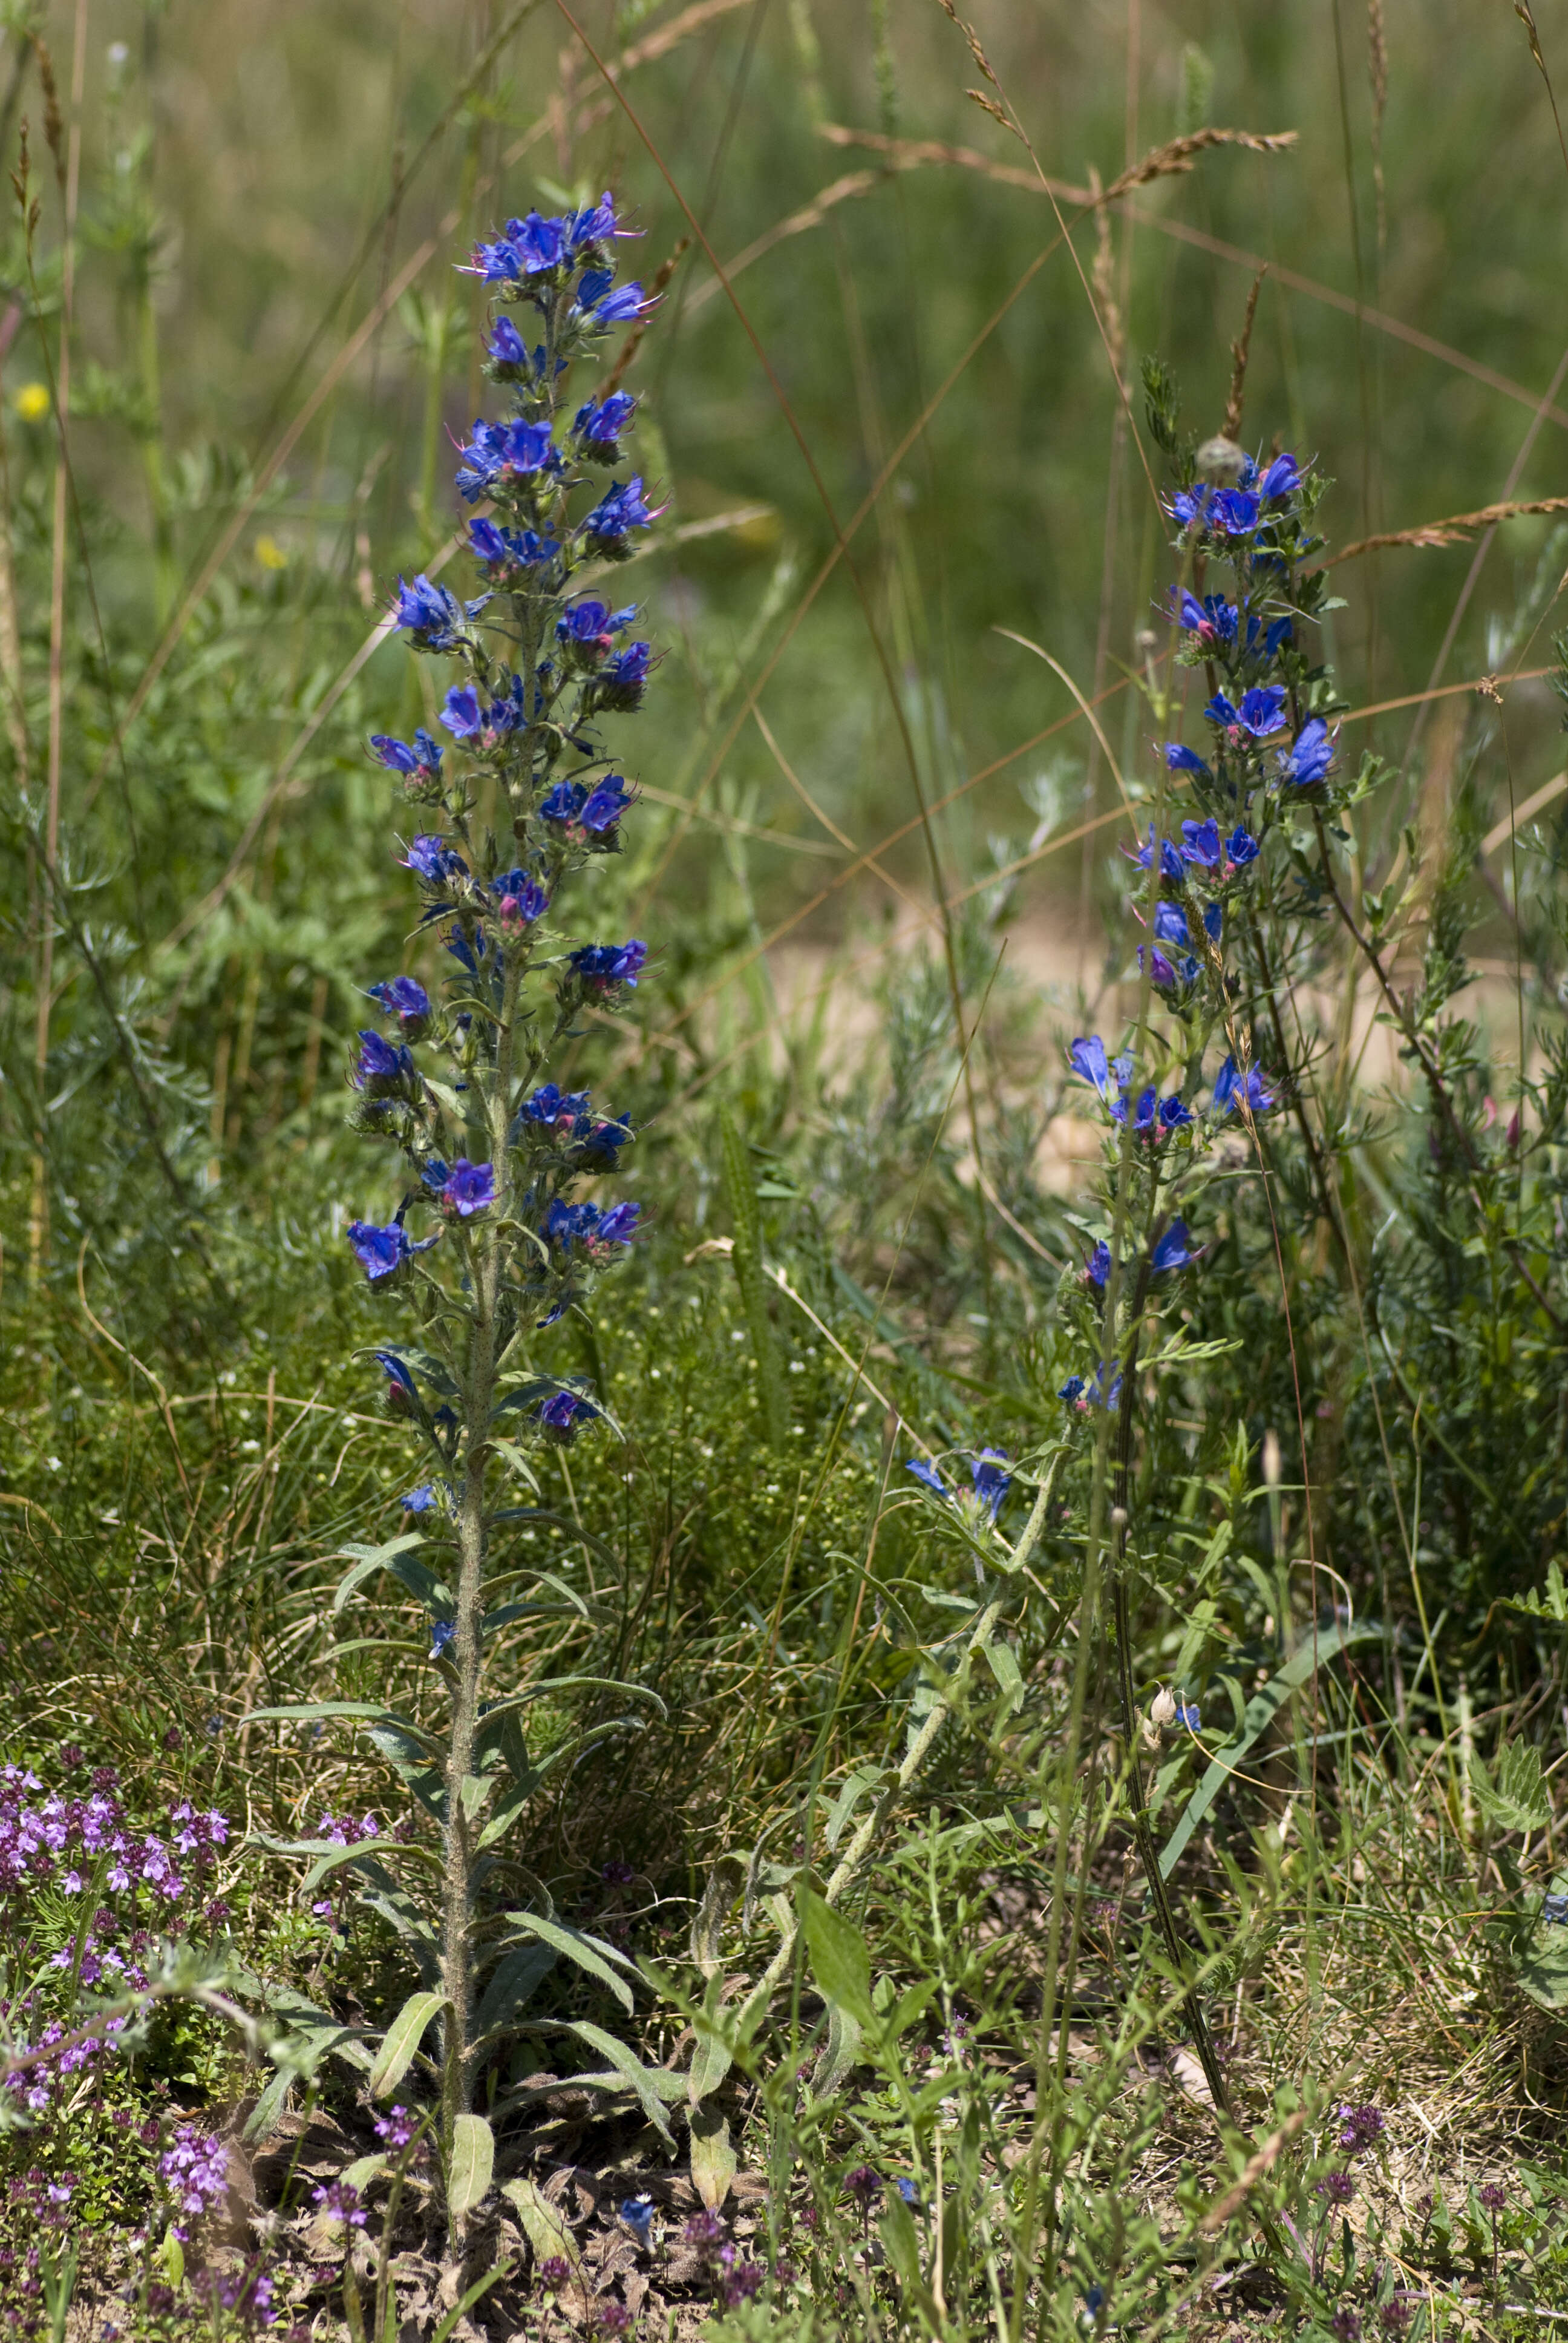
<point>401,2041</point>
<point>840,2051</point>
<point>1316,1651</point>
<point>627,2064</point>
<point>264,2114</point>
<point>471,2164</point>
<point>367,1852</point>
<point>590,1953</point>
<point>516,1980</point>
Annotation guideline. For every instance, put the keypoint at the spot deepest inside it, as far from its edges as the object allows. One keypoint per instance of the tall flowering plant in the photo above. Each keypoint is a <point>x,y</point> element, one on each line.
<point>492,1241</point>
<point>1206,1057</point>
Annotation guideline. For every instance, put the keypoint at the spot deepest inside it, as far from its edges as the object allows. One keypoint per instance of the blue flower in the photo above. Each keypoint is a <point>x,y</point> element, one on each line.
<point>1281,630</point>
<point>460,711</point>
<point>1089,1061</point>
<point>1169,860</point>
<point>1213,921</point>
<point>595,225</point>
<point>564,1413</point>
<point>382,1251</point>
<point>434,1173</point>
<point>405,998</point>
<point>1201,843</point>
<point>1162,970</point>
<point>1213,619</point>
<point>549,1104</point>
<point>433,858</point>
<point>538,242</point>
<point>431,612</point>
<point>1083,1395</point>
<point>564,802</point>
<point>422,1500</point>
<point>1143,1113</point>
<point>443,1636</point>
<point>1554,1911</point>
<point>468,951</point>
<point>1180,759</point>
<point>619,307</point>
<point>1172,1114</point>
<point>909,2192</point>
<point>590,621</point>
<point>1188,1714</point>
<point>990,1482</point>
<point>1242,847</point>
<point>488,542</point>
<point>499,452</point>
<point>1171,924</point>
<point>567,1223</point>
<point>1261,710</point>
<point>424,757</point>
<point>1173,1250</point>
<point>606,1139</point>
<point>1234,512</point>
<point>1230,1089</point>
<point>399,1377</point>
<point>621,509</point>
<point>929,1475</point>
<point>495,263</point>
<point>599,424</point>
<point>493,545</point>
<point>1282,479</point>
<point>637,2212</point>
<point>605,804</point>
<point>1097,1268</point>
<point>1094,2301</point>
<point>1312,754</point>
<point>380,1068</point>
<point>1230,512</point>
<point>522,900</point>
<point>623,679</point>
<point>470,1187</point>
<point>604,966</point>
<point>508,347</point>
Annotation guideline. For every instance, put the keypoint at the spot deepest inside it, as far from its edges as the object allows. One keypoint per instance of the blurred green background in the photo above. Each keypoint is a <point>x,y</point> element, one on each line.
<point>273,351</point>
<point>258,183</point>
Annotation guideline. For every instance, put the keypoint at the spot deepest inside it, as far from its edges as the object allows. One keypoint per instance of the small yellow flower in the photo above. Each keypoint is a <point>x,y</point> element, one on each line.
<point>32,401</point>
<point>270,554</point>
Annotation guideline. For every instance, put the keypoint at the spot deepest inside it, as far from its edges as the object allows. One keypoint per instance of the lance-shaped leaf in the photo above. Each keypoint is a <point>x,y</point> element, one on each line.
<point>713,2159</point>
<point>396,1557</point>
<point>544,2225</point>
<point>725,1881</point>
<point>651,2086</point>
<point>323,1712</point>
<point>590,1953</point>
<point>517,1979</point>
<point>470,2165</point>
<point>841,1961</point>
<point>402,2041</point>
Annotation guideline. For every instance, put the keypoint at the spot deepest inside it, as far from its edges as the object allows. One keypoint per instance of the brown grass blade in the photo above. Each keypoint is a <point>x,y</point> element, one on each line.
<point>1454,530</point>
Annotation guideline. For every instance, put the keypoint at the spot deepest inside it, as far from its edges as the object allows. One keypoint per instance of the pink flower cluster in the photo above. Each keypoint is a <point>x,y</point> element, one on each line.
<point>53,1839</point>
<point>195,2170</point>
